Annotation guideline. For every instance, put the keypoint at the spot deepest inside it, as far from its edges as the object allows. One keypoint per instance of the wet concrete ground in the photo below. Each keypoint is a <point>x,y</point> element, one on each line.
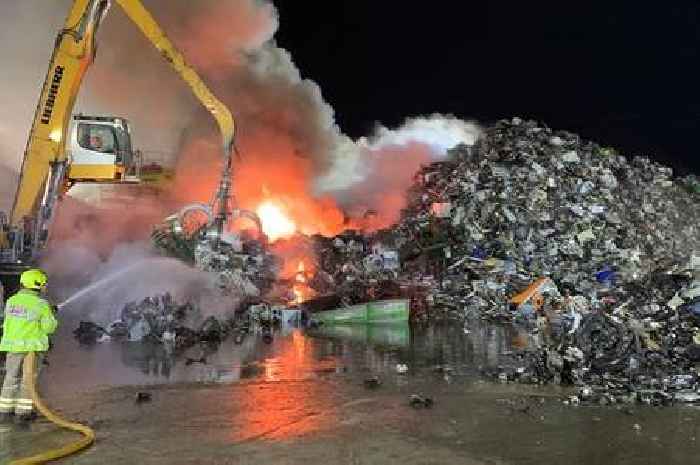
<point>302,400</point>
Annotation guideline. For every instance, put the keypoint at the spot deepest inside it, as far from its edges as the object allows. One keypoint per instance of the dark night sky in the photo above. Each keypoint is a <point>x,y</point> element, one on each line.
<point>621,73</point>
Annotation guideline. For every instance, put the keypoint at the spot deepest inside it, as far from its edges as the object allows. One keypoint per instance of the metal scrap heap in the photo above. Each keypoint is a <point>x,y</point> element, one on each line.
<point>617,238</point>
<point>592,256</point>
<point>157,319</point>
<point>524,202</point>
<point>552,204</point>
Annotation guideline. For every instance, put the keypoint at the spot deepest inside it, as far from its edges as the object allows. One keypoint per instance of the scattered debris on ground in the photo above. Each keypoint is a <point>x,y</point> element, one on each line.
<point>418,401</point>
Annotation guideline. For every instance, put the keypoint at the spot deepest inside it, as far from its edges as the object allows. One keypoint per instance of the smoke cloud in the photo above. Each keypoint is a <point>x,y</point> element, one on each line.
<point>101,228</point>
<point>131,273</point>
<point>439,132</point>
<point>390,158</point>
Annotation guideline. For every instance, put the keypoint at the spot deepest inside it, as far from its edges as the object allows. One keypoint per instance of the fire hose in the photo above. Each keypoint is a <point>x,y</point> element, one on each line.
<point>29,378</point>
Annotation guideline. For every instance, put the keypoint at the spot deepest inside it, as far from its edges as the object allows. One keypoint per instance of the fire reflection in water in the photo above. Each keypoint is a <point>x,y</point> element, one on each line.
<point>290,402</point>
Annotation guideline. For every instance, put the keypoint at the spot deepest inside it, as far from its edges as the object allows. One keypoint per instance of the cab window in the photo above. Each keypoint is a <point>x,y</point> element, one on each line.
<point>97,137</point>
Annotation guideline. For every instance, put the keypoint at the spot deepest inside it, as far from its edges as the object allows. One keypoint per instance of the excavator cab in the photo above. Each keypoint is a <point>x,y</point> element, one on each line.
<point>100,150</point>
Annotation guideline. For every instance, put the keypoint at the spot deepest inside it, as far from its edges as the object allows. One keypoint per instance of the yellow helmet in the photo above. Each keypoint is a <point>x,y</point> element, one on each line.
<point>33,279</point>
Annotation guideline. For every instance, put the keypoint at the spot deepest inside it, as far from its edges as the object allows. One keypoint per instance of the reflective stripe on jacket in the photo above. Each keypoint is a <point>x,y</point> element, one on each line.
<point>28,322</point>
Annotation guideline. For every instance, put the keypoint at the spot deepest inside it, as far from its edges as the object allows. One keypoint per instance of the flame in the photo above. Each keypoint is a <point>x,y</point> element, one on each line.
<point>270,173</point>
<point>300,284</point>
<point>301,289</point>
<point>276,179</point>
<point>298,296</point>
<point>275,223</point>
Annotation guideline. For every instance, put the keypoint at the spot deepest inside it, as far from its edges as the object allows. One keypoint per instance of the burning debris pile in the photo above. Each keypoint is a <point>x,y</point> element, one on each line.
<point>592,256</point>
<point>242,263</point>
<point>346,269</point>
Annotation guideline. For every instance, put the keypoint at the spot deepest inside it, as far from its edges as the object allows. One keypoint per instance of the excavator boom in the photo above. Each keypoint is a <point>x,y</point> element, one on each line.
<point>72,55</point>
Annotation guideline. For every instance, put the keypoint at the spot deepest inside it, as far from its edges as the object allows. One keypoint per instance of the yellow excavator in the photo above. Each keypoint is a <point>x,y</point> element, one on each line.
<point>65,149</point>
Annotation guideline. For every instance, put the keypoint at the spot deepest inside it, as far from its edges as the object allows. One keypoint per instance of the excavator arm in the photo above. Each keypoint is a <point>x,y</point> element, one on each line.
<point>143,19</point>
<point>73,53</point>
<point>45,164</point>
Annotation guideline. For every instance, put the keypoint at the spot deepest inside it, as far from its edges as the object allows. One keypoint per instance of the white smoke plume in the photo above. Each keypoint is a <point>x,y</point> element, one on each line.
<point>439,132</point>
<point>382,165</point>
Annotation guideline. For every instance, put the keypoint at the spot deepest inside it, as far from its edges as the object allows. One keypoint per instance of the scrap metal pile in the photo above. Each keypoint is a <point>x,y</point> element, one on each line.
<point>640,342</point>
<point>552,204</point>
<point>527,202</point>
<point>523,203</point>
<point>158,319</point>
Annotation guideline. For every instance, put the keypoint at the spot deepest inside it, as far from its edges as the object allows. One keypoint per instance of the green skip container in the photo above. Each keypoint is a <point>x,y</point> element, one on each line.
<point>380,311</point>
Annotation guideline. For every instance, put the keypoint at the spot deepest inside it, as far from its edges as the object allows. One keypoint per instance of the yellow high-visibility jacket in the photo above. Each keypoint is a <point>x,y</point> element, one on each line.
<point>29,320</point>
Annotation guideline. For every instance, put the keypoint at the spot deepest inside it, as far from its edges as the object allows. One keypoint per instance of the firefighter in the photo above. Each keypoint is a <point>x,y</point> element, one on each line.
<point>29,320</point>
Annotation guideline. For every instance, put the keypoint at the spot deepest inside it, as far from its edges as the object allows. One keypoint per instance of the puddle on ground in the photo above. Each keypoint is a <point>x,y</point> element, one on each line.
<point>295,354</point>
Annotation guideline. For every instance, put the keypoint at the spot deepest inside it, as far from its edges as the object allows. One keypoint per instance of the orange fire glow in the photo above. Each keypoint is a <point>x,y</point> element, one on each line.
<point>275,223</point>
<point>288,404</point>
<point>298,296</point>
<point>275,179</point>
<point>275,184</point>
<point>301,277</point>
<point>302,291</point>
